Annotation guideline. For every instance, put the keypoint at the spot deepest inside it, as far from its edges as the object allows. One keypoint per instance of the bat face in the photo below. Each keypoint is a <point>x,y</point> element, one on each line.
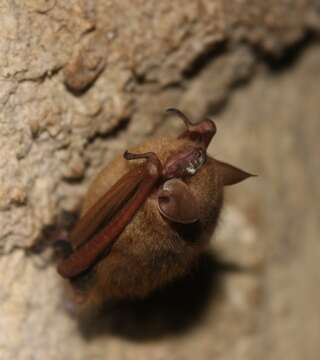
<point>147,217</point>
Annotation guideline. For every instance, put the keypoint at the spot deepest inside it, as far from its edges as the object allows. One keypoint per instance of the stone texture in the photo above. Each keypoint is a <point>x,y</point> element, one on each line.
<point>81,81</point>
<point>277,115</point>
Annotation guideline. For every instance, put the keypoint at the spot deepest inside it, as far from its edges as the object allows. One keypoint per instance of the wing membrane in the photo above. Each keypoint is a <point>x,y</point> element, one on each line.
<point>106,206</point>
<point>138,186</point>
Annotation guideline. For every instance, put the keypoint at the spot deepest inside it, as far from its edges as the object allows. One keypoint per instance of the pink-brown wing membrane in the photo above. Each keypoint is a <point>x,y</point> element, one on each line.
<point>87,253</point>
<point>106,206</point>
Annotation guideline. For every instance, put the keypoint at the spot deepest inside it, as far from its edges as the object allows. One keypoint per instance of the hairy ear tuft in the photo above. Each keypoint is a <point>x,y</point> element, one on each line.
<point>230,174</point>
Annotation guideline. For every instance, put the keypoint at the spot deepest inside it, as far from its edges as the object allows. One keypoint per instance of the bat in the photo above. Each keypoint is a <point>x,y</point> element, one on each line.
<point>148,216</point>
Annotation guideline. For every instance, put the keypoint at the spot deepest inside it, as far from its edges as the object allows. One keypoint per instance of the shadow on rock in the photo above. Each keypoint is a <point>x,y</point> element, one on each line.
<point>173,310</point>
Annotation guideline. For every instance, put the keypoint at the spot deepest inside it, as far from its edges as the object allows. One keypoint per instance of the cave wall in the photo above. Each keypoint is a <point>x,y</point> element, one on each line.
<point>82,81</point>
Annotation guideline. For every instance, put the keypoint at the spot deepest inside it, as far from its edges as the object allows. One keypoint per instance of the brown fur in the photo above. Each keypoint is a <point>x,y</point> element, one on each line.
<point>151,251</point>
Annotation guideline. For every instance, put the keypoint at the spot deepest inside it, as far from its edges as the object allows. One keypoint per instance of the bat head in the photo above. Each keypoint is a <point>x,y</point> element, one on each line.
<point>191,157</point>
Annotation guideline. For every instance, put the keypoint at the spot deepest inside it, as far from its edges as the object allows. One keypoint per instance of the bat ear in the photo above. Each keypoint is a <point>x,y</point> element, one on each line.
<point>230,174</point>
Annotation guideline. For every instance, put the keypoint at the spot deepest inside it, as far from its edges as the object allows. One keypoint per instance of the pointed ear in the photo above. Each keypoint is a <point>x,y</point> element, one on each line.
<point>230,174</point>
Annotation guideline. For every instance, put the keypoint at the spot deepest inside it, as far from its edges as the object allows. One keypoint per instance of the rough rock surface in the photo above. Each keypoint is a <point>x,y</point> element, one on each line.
<point>83,80</point>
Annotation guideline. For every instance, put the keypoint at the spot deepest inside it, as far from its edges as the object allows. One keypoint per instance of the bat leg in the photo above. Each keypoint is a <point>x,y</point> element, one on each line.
<point>181,115</point>
<point>152,160</point>
<point>201,132</point>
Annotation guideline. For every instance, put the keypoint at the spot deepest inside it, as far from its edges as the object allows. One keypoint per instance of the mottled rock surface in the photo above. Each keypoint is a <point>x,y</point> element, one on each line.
<point>82,81</point>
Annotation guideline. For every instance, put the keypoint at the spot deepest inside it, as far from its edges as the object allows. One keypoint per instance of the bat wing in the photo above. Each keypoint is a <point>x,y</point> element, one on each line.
<point>106,207</point>
<point>105,220</point>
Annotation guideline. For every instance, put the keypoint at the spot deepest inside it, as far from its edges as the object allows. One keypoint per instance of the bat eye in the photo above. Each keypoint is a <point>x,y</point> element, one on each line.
<point>177,203</point>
